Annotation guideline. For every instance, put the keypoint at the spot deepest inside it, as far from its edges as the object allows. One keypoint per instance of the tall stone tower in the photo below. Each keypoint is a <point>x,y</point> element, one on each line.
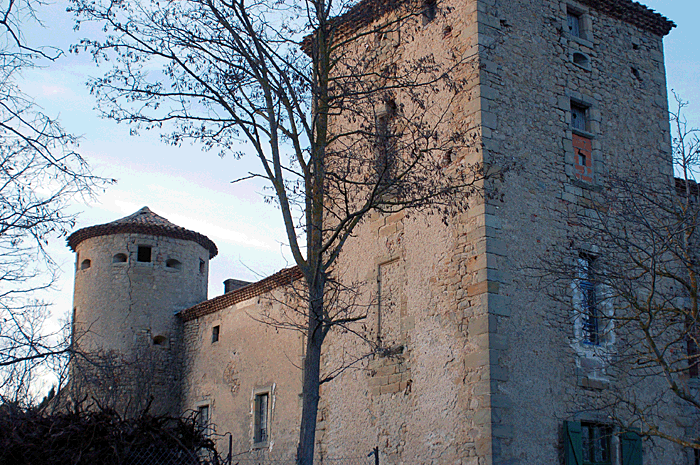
<point>132,275</point>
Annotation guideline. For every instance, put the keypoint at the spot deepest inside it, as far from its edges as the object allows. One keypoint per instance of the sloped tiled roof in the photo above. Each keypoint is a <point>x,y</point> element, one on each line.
<point>143,221</point>
<point>281,278</point>
<point>367,11</point>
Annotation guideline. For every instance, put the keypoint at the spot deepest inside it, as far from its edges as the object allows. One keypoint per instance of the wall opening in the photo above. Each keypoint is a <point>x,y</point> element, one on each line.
<point>429,11</point>
<point>174,264</point>
<point>159,340</point>
<point>144,253</point>
<point>215,330</point>
<point>85,264</point>
<point>581,60</point>
<point>119,258</point>
<point>260,429</point>
<point>202,266</point>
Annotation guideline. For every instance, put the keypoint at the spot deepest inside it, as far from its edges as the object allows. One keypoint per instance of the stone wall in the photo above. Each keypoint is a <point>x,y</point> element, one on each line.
<point>249,356</point>
<point>124,316</point>
<point>531,85</point>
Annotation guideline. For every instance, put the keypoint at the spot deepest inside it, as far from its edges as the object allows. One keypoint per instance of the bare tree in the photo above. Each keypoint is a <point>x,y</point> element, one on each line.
<point>340,127</point>
<point>636,293</point>
<point>40,174</point>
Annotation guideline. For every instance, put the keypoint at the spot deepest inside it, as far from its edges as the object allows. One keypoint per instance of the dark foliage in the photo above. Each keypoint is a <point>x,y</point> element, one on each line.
<point>98,436</point>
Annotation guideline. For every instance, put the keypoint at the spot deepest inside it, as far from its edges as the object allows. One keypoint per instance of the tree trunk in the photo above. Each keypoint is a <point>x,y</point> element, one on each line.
<point>311,383</point>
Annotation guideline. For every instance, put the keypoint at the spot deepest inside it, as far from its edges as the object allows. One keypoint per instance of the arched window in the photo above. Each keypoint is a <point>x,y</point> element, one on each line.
<point>174,264</point>
<point>159,340</point>
<point>119,258</point>
<point>85,264</point>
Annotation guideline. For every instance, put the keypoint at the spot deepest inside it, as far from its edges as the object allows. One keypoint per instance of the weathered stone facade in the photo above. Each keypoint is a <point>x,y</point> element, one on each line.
<point>478,365</point>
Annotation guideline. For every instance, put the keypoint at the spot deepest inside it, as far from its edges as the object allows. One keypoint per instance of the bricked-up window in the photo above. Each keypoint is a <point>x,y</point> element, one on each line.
<point>574,20</point>
<point>215,333</point>
<point>588,305</point>
<point>260,420</point>
<point>583,158</point>
<point>143,253</point>
<point>203,419</point>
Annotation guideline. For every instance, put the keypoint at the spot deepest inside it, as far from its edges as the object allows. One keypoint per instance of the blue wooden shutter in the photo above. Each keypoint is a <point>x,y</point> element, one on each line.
<point>631,444</point>
<point>572,443</point>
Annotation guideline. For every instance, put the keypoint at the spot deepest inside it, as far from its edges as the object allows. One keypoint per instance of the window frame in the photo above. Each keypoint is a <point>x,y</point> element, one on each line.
<point>204,427</point>
<point>588,303</point>
<point>261,420</point>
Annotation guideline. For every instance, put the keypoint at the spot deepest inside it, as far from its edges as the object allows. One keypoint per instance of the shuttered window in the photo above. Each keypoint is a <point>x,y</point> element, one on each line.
<point>588,443</point>
<point>631,446</point>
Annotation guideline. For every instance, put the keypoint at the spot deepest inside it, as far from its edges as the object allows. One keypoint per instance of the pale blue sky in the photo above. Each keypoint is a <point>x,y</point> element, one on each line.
<point>191,188</point>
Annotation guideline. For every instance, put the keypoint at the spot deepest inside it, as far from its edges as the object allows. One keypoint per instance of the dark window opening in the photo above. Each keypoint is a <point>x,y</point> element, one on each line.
<point>429,11</point>
<point>595,444</point>
<point>202,266</point>
<point>144,253</point>
<point>172,263</point>
<point>203,419</point>
<point>635,73</point>
<point>85,264</point>
<point>697,456</point>
<point>581,60</point>
<point>589,305</point>
<point>159,340</point>
<point>579,117</point>
<point>215,333</point>
<point>260,422</point>
<point>573,20</point>
<point>119,258</point>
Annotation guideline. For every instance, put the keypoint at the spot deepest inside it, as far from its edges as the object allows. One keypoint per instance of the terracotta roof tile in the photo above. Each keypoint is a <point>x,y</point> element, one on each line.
<point>281,278</point>
<point>143,221</point>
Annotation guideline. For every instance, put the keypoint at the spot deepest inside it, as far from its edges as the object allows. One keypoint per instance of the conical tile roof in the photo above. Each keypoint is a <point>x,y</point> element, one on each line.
<point>143,221</point>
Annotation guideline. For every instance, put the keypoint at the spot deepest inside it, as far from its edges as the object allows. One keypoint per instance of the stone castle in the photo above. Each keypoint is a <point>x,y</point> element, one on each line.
<point>486,369</point>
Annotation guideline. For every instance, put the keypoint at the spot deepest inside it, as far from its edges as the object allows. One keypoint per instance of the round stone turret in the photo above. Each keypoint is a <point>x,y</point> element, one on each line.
<point>132,275</point>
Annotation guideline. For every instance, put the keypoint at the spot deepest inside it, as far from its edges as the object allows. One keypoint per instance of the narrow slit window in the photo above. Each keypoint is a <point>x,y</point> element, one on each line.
<point>203,419</point>
<point>202,266</point>
<point>261,432</point>
<point>144,253</point>
<point>588,307</point>
<point>215,330</point>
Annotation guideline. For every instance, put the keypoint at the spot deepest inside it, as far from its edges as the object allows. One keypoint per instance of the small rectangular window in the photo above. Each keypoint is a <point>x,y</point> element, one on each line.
<point>203,419</point>
<point>144,253</point>
<point>260,433</point>
<point>202,266</point>
<point>215,333</point>
<point>573,20</point>
<point>385,161</point>
<point>588,304</point>
<point>579,116</point>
